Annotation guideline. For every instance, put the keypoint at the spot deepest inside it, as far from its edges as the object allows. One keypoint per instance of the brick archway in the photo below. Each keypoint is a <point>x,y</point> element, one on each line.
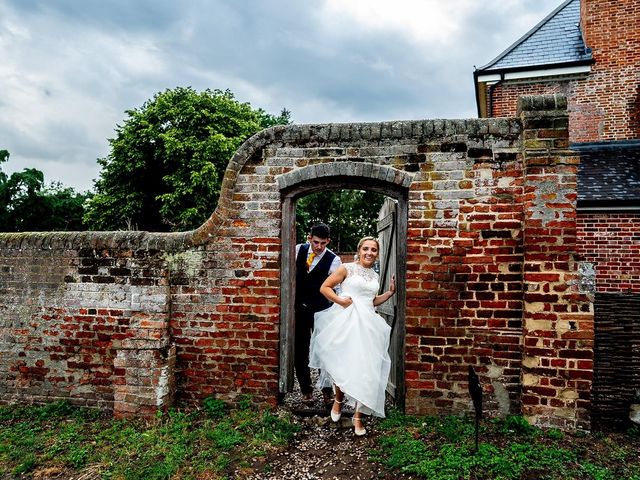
<point>350,175</point>
<point>367,174</point>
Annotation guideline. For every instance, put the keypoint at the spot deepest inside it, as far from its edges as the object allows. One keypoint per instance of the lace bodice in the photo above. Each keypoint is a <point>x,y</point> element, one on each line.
<point>360,281</point>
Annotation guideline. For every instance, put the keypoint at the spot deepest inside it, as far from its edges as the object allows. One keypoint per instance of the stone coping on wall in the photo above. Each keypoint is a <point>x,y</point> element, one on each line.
<point>96,240</point>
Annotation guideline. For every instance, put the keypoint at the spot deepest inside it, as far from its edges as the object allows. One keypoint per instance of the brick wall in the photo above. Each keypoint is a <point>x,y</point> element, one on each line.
<point>611,241</point>
<point>585,118</point>
<point>464,275</point>
<point>557,363</point>
<point>79,315</point>
<point>132,321</point>
<point>504,98</point>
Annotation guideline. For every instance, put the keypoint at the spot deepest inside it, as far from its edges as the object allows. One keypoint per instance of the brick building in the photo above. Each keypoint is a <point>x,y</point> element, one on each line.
<point>589,50</point>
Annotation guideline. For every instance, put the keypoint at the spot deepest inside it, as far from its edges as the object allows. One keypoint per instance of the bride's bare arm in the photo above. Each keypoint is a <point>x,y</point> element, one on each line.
<point>330,283</point>
<point>383,297</point>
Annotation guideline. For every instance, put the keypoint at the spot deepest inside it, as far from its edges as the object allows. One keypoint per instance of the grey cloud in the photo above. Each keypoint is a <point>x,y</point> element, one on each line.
<point>113,55</point>
<point>127,14</point>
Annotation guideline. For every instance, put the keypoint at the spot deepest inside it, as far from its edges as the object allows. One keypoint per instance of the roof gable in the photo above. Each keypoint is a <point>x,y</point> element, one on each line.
<point>557,39</point>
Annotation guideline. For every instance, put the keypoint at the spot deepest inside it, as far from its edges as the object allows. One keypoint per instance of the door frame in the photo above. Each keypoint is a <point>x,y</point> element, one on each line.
<point>287,268</point>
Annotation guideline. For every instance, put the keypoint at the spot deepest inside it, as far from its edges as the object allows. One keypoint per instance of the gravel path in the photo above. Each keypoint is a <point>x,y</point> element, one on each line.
<point>322,449</point>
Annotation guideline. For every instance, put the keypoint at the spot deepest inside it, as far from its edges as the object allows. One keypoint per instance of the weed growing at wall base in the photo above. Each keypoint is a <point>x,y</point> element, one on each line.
<point>436,448</point>
<point>61,440</point>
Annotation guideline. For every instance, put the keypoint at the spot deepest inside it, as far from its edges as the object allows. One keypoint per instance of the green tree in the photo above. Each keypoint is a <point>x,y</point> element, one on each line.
<point>4,193</point>
<point>26,204</point>
<point>351,215</point>
<point>167,161</point>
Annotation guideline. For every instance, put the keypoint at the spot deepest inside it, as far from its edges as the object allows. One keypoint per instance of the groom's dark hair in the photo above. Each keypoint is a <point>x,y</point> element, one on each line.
<point>320,230</point>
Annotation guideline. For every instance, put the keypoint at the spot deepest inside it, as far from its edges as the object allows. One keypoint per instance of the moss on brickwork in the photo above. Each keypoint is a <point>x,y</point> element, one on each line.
<point>189,262</point>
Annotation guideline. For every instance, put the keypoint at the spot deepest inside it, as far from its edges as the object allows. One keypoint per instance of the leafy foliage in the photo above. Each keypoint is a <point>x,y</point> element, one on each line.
<point>26,204</point>
<point>214,407</point>
<point>167,161</point>
<point>515,425</point>
<point>351,215</point>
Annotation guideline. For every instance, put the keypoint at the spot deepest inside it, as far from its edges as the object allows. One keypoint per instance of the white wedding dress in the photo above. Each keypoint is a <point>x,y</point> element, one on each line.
<point>350,345</point>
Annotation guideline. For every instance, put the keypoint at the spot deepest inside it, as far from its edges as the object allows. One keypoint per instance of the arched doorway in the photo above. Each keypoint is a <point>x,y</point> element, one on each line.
<point>395,230</point>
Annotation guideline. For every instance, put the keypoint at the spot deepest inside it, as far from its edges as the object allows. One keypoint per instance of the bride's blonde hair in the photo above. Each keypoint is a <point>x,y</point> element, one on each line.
<point>362,240</point>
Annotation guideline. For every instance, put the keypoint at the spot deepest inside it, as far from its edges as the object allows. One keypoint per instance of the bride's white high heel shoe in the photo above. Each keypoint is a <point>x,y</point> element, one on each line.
<point>358,431</point>
<point>336,416</point>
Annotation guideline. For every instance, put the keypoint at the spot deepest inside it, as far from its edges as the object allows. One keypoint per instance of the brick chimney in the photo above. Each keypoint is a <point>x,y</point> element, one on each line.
<point>585,19</point>
<point>610,29</point>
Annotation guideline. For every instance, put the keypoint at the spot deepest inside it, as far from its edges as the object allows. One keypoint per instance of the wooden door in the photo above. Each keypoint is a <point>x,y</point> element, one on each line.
<point>387,236</point>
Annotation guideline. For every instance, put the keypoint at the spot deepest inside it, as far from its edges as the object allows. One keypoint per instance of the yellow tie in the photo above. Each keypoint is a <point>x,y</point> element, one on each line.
<point>310,260</point>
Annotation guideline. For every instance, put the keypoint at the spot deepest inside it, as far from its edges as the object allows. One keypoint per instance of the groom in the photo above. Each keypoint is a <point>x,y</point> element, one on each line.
<point>314,263</point>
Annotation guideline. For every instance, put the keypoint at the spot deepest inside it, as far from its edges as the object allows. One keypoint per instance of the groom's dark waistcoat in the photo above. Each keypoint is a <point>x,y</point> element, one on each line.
<point>308,283</point>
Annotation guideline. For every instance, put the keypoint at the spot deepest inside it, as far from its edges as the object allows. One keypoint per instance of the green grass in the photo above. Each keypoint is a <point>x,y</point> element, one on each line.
<point>510,449</point>
<point>59,440</point>
<point>182,445</point>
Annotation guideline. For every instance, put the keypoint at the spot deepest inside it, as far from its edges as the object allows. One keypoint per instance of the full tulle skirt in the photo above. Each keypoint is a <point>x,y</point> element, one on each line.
<point>350,346</point>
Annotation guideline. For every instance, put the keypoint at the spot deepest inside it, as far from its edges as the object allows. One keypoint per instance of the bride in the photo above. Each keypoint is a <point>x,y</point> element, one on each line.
<point>350,340</point>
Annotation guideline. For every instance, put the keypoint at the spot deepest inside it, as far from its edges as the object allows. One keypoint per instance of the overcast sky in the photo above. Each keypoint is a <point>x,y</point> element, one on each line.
<point>70,68</point>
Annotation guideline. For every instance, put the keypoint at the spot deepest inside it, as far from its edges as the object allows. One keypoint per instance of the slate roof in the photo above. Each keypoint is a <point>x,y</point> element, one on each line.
<point>557,39</point>
<point>609,174</point>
